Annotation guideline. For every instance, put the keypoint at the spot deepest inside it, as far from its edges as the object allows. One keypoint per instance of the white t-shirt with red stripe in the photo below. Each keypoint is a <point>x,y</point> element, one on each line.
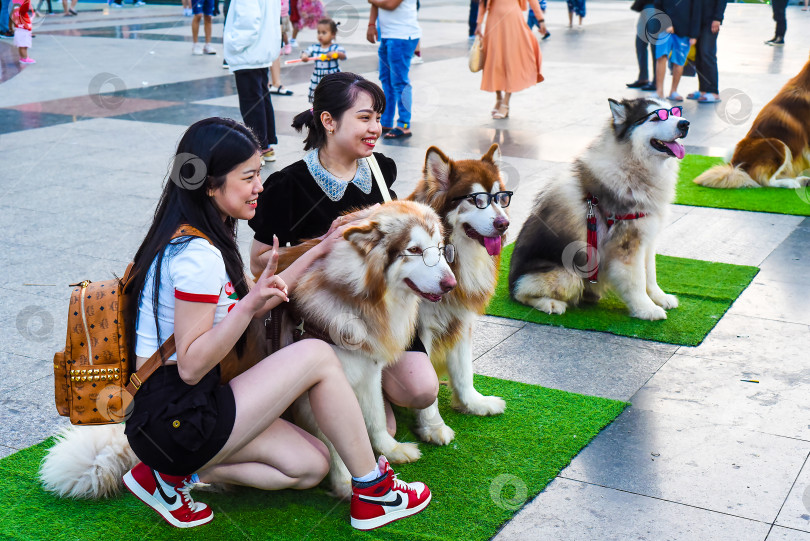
<point>192,272</point>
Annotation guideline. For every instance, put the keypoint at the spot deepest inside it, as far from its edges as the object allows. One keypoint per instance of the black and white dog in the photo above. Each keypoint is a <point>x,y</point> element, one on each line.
<point>596,227</point>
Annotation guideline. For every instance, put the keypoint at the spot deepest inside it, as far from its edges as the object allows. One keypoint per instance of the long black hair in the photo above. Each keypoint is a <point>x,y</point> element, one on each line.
<point>207,152</point>
<point>335,94</point>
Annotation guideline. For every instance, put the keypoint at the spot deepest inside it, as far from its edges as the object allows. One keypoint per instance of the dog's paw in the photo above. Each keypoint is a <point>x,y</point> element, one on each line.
<point>341,488</point>
<point>652,312</point>
<point>438,435</point>
<point>667,302</point>
<point>402,453</point>
<point>790,183</point>
<point>550,306</point>
<point>480,405</point>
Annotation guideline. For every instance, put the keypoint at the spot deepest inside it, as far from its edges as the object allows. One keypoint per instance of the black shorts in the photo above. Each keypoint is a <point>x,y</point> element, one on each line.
<point>417,345</point>
<point>176,428</point>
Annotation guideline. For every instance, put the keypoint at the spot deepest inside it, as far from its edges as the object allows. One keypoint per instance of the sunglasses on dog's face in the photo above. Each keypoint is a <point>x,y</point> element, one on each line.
<point>432,255</point>
<point>662,114</point>
<point>483,199</point>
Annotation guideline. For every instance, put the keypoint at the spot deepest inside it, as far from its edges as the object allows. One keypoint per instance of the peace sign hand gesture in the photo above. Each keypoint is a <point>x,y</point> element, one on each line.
<point>268,285</point>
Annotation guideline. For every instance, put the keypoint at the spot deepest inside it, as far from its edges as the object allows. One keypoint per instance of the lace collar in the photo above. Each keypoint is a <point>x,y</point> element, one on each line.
<point>333,187</point>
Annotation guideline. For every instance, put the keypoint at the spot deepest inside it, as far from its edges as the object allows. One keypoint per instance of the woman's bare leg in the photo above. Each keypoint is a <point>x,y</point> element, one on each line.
<point>275,72</point>
<point>409,383</point>
<point>283,456</point>
<point>263,392</point>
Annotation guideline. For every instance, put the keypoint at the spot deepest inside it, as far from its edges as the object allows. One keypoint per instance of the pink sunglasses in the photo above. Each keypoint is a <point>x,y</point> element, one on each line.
<point>663,114</point>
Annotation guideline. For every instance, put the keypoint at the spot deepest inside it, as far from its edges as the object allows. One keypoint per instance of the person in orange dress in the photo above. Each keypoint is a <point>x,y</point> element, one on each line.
<point>512,56</point>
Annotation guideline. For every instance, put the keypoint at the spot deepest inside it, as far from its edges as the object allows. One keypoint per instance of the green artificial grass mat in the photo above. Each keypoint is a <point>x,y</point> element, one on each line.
<point>705,291</point>
<point>494,465</point>
<point>773,200</point>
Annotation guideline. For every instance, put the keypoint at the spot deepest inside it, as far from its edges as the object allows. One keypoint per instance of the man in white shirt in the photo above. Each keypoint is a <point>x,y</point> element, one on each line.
<point>399,35</point>
<point>252,41</point>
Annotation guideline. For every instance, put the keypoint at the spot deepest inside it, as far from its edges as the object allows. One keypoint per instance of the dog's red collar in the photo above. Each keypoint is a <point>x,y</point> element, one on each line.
<point>593,241</point>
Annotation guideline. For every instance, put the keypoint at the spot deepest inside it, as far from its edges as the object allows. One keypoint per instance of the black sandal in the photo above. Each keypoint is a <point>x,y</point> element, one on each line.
<point>397,133</point>
<point>281,91</point>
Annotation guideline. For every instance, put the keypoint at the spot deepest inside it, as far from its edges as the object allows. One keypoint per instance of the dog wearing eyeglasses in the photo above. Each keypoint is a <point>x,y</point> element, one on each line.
<point>616,199</point>
<point>776,151</point>
<point>470,198</point>
<point>364,297</point>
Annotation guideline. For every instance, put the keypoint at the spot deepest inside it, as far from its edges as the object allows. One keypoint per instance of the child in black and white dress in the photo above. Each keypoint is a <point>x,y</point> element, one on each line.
<point>325,54</point>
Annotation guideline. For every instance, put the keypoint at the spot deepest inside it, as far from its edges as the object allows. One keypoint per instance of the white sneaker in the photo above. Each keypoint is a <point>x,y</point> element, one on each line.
<point>209,49</point>
<point>416,60</point>
<point>293,44</point>
<point>140,4</point>
<point>197,49</point>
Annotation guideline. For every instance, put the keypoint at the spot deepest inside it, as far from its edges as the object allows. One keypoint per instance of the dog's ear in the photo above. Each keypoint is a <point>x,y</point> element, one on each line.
<point>493,155</point>
<point>437,169</point>
<point>619,112</point>
<point>363,235</point>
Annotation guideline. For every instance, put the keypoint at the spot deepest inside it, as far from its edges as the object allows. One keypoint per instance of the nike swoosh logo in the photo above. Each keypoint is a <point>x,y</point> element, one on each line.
<point>393,503</point>
<point>159,483</point>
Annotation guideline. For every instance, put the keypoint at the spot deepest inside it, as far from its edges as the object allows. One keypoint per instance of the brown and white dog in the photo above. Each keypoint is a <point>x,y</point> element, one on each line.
<point>446,327</point>
<point>776,151</point>
<point>364,295</point>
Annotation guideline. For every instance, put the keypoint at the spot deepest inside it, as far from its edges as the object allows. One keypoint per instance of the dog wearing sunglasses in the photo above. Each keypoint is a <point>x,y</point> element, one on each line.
<point>594,229</point>
<point>470,198</point>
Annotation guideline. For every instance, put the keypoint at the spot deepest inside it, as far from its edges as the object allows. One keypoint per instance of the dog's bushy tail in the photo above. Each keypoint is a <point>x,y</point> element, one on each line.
<point>726,176</point>
<point>87,462</point>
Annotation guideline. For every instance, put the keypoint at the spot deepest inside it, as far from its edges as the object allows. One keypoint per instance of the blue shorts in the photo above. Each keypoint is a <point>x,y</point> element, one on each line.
<point>203,7</point>
<point>532,20</point>
<point>676,46</point>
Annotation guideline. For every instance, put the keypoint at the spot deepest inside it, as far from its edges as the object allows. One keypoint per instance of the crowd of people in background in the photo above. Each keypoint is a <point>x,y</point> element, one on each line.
<point>678,35</point>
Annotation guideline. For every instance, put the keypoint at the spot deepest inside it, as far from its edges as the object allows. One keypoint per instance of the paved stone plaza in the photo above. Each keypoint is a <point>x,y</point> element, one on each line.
<point>700,455</point>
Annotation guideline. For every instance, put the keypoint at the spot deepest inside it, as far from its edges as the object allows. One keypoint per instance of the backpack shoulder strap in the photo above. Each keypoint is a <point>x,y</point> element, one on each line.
<point>186,230</point>
<point>378,176</point>
<point>166,350</point>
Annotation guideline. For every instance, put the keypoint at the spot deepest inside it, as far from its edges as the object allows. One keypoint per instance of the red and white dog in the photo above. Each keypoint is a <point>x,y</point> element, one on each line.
<point>470,198</point>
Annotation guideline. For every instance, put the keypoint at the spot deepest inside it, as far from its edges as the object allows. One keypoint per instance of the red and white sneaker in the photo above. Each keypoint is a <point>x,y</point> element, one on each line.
<point>386,499</point>
<point>168,495</point>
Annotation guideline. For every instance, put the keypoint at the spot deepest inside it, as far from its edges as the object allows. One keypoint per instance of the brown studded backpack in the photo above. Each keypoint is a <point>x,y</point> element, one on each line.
<point>92,380</point>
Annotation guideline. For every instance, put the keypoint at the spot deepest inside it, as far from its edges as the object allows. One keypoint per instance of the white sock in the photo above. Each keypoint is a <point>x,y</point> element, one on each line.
<point>370,476</point>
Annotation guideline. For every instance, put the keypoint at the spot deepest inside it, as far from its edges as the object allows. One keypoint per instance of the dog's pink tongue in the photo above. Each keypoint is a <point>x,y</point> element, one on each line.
<point>676,148</point>
<point>493,245</point>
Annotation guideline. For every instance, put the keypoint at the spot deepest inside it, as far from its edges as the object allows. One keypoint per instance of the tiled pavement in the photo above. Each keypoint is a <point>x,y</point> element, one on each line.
<point>86,135</point>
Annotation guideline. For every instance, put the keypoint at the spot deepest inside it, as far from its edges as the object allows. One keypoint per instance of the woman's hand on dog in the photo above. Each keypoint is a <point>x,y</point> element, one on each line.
<point>346,219</point>
<point>332,239</point>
